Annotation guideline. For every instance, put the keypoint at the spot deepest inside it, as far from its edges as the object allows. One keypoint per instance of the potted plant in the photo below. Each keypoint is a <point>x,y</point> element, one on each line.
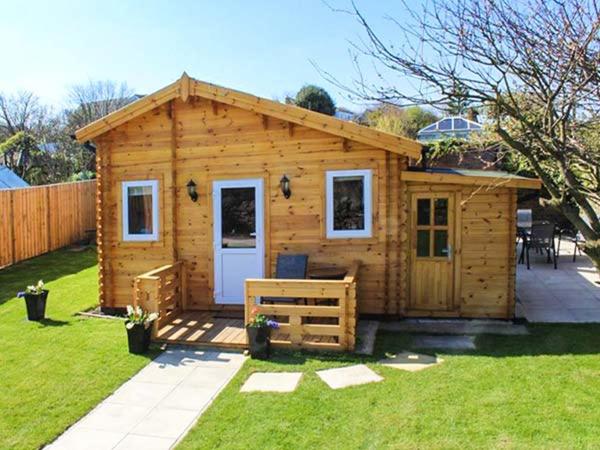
<point>35,299</point>
<point>139,329</point>
<point>259,334</point>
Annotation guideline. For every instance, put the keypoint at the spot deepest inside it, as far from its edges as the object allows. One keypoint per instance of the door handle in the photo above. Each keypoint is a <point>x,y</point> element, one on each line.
<point>449,250</point>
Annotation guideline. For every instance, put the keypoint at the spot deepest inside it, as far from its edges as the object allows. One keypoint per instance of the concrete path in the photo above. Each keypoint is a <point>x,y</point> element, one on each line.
<point>366,333</point>
<point>454,326</point>
<point>155,408</point>
<point>569,294</point>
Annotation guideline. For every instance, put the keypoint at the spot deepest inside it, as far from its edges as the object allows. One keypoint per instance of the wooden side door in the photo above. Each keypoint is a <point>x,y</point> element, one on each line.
<point>432,251</point>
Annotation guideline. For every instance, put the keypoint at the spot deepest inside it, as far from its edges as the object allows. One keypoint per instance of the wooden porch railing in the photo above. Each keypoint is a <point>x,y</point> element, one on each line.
<point>315,326</point>
<point>161,290</point>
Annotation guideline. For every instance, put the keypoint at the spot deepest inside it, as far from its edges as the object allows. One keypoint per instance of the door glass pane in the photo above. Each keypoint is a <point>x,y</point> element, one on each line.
<point>440,213</point>
<point>139,209</point>
<point>348,203</point>
<point>238,218</point>
<point>440,243</point>
<point>423,243</point>
<point>423,211</point>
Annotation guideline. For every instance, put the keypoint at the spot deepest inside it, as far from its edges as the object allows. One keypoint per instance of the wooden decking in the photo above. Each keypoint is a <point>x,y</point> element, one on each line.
<point>203,329</point>
<point>216,330</point>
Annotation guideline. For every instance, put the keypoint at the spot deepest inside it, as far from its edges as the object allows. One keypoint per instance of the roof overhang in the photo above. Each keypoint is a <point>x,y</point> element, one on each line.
<point>497,180</point>
<point>186,87</point>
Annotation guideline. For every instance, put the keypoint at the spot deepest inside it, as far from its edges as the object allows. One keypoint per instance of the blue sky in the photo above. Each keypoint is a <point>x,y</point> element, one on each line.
<point>262,47</point>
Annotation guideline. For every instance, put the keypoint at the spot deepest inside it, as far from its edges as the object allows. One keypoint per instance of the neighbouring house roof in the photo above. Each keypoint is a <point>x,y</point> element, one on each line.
<point>10,180</point>
<point>345,114</point>
<point>494,178</point>
<point>456,126</point>
<point>186,87</point>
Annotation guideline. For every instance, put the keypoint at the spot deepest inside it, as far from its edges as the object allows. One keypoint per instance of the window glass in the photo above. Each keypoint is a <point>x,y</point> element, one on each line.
<point>440,243</point>
<point>445,124</point>
<point>139,210</point>
<point>348,203</point>
<point>460,124</point>
<point>423,243</point>
<point>423,211</point>
<point>238,222</point>
<point>440,215</point>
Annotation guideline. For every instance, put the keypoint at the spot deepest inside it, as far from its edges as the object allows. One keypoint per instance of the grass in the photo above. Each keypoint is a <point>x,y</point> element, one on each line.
<point>52,373</point>
<point>536,391</point>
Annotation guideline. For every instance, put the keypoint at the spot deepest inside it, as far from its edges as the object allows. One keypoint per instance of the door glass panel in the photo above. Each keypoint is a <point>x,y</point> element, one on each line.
<point>238,218</point>
<point>440,214</point>
<point>348,203</point>
<point>440,243</point>
<point>423,211</point>
<point>423,243</point>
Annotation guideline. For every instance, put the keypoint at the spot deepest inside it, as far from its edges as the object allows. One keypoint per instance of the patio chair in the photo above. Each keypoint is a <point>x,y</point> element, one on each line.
<point>542,239</point>
<point>524,222</point>
<point>289,267</point>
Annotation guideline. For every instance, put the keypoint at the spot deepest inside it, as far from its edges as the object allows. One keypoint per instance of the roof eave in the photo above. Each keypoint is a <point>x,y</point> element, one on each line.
<point>450,178</point>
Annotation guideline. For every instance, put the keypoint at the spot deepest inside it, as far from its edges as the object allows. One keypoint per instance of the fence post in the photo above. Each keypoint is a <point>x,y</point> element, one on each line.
<point>48,224</point>
<point>13,247</point>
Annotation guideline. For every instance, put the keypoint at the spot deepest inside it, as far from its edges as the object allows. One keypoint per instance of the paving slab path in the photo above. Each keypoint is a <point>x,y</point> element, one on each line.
<point>156,407</point>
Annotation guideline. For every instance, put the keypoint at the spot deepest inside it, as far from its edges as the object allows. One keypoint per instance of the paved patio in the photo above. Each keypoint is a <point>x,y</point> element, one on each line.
<point>569,294</point>
<point>155,408</point>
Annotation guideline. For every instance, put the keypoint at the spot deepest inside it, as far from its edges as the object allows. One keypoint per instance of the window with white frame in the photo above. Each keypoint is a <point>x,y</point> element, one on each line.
<point>140,210</point>
<point>349,204</point>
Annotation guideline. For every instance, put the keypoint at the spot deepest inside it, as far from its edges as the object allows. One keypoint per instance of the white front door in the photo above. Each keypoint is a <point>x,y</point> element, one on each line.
<point>238,237</point>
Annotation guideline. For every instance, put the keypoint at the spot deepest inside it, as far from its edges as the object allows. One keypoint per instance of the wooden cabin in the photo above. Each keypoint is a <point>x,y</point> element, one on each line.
<point>201,187</point>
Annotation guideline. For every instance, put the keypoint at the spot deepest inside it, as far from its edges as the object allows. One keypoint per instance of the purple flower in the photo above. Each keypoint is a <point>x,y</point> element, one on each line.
<point>20,294</point>
<point>272,324</point>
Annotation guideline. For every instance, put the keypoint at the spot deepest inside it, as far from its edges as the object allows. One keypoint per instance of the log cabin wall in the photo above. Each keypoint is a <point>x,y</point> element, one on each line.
<point>484,254</point>
<point>205,141</point>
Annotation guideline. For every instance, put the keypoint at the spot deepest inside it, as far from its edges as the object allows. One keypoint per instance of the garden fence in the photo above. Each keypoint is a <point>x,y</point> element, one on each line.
<point>39,219</point>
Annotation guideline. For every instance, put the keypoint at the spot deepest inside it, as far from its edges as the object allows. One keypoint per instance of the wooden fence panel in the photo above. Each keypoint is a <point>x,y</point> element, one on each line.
<point>6,242</point>
<point>40,219</point>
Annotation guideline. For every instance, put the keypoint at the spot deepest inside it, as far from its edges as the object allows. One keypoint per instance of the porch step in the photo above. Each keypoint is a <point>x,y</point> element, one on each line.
<point>455,326</point>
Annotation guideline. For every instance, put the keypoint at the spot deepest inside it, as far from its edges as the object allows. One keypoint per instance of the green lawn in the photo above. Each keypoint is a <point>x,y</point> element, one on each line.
<point>537,391</point>
<point>53,372</point>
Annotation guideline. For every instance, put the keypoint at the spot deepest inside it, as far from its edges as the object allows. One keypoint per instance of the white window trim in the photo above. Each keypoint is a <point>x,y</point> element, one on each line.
<point>367,201</point>
<point>125,185</point>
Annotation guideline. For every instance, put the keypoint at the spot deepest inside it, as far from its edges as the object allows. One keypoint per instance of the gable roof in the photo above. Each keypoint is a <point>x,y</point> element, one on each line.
<point>10,180</point>
<point>186,87</point>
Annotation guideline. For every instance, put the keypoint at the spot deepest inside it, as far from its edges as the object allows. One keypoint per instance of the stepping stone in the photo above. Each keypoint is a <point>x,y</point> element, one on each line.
<point>348,376</point>
<point>446,342</point>
<point>272,382</point>
<point>410,361</point>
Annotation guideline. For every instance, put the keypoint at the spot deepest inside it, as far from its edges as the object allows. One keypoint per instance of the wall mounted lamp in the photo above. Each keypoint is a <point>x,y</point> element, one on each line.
<point>284,183</point>
<point>191,189</point>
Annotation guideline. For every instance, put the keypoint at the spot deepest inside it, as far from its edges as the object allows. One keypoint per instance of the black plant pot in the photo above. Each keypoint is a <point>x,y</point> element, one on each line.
<point>260,342</point>
<point>36,305</point>
<point>138,338</point>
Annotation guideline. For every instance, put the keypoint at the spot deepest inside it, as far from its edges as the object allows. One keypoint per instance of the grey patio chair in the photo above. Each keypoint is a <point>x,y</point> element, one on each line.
<point>542,239</point>
<point>289,267</point>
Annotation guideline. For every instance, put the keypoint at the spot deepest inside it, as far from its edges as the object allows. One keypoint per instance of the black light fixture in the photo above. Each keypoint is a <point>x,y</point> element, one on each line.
<point>284,183</point>
<point>191,188</point>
